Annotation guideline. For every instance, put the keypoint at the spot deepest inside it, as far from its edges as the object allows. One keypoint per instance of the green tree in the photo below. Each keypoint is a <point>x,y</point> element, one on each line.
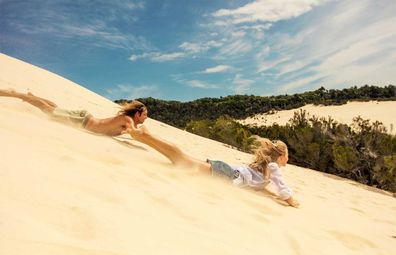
<point>345,158</point>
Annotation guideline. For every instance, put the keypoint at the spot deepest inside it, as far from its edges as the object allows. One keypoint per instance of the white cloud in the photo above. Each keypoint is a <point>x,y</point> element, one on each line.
<point>256,30</point>
<point>132,92</point>
<point>245,28</point>
<point>258,27</point>
<point>218,69</point>
<point>94,31</point>
<point>134,57</point>
<point>292,86</point>
<point>291,67</point>
<point>158,57</point>
<point>362,52</point>
<point>133,5</point>
<point>200,84</point>
<point>366,62</point>
<point>214,44</point>
<point>235,48</point>
<point>167,56</point>
<point>194,83</point>
<point>268,10</point>
<point>238,34</point>
<point>188,49</point>
<point>200,47</point>
<point>263,53</point>
<point>191,47</point>
<point>264,66</point>
<point>353,66</point>
<point>240,85</point>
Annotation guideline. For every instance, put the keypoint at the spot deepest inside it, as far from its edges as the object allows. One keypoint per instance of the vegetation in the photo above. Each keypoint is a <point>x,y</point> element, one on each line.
<point>178,114</point>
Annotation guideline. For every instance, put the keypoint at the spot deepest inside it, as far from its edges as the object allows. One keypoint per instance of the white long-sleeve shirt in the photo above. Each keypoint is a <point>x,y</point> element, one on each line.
<point>254,179</point>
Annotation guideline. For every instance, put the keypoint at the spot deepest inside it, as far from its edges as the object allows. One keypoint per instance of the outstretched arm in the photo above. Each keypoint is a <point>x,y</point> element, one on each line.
<point>285,193</point>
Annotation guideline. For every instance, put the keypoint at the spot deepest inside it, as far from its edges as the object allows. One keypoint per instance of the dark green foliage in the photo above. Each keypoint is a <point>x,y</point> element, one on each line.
<point>345,158</point>
<point>242,106</point>
<point>225,130</point>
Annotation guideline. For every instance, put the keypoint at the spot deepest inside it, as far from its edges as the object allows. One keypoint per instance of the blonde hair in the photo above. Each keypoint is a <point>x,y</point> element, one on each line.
<point>267,151</point>
<point>130,109</point>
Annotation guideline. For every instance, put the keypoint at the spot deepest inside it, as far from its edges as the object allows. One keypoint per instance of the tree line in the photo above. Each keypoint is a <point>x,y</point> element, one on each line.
<point>178,114</point>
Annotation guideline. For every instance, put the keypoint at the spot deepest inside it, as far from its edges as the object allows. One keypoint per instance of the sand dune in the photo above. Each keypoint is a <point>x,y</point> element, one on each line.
<point>383,111</point>
<point>66,191</point>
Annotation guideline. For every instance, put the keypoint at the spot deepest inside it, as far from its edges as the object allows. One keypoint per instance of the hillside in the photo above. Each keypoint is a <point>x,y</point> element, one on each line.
<point>67,191</point>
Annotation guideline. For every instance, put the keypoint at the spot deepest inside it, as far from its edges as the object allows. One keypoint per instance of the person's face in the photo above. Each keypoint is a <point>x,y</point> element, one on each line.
<point>142,116</point>
<point>282,160</point>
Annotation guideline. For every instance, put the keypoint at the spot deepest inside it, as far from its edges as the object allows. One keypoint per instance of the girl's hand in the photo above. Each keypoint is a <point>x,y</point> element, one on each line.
<point>292,202</point>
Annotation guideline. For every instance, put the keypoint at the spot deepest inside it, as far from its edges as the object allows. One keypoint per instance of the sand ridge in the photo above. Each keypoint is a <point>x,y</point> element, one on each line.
<point>383,111</point>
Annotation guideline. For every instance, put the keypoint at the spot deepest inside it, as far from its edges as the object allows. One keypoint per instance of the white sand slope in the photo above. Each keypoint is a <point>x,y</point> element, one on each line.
<point>383,111</point>
<point>66,191</point>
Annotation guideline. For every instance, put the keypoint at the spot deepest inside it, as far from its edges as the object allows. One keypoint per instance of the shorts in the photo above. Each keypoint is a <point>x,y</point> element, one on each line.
<point>78,118</point>
<point>222,169</point>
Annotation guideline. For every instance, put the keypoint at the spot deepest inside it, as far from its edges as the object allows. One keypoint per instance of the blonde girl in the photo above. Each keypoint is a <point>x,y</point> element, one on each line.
<point>269,157</point>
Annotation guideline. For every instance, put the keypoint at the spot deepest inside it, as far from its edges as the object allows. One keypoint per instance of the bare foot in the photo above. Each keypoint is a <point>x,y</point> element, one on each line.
<point>7,92</point>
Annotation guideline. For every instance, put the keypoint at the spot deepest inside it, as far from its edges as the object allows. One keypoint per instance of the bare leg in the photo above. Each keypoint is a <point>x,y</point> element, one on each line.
<point>43,99</point>
<point>41,103</point>
<point>169,150</point>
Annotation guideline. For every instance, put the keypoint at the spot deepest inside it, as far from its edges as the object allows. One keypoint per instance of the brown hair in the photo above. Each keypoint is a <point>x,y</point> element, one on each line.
<point>130,109</point>
<point>267,151</point>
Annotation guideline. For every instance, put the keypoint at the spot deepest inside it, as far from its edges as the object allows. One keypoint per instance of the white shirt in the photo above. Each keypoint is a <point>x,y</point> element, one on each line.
<point>254,179</point>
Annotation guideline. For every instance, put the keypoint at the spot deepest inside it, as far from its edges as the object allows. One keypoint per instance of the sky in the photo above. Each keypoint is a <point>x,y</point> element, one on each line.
<point>188,49</point>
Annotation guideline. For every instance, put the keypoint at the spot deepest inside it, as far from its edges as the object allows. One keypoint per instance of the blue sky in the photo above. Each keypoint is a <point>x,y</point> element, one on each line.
<point>188,49</point>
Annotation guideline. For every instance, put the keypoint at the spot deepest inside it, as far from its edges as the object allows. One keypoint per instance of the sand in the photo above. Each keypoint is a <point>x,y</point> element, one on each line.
<point>382,111</point>
<point>67,191</point>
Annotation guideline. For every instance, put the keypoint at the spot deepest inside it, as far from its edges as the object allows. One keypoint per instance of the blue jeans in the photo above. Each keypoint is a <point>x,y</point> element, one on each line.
<point>222,169</point>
